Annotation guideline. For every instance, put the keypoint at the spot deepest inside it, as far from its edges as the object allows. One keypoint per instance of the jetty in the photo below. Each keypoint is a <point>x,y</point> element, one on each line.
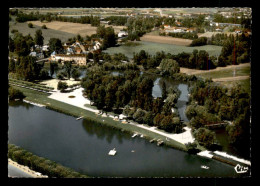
<point>79,118</point>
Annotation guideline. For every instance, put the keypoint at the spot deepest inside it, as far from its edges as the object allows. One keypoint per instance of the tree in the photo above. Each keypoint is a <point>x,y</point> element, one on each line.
<point>30,25</point>
<point>21,48</point>
<point>205,137</point>
<point>53,68</point>
<point>55,45</point>
<point>68,68</point>
<point>169,66</point>
<point>15,94</point>
<point>38,37</point>
<point>75,73</point>
<point>164,91</point>
<point>44,74</point>
<point>28,69</point>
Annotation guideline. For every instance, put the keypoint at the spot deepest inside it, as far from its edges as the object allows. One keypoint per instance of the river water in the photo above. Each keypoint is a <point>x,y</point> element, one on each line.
<point>84,146</point>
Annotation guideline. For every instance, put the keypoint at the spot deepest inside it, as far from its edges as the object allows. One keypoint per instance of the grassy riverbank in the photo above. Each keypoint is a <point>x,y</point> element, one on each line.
<point>42,98</point>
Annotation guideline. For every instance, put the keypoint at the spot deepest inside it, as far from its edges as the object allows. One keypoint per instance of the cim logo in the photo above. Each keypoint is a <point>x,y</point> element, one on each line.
<point>240,169</point>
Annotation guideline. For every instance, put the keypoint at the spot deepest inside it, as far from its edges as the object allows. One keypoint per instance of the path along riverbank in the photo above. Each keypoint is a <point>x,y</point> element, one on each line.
<point>26,169</point>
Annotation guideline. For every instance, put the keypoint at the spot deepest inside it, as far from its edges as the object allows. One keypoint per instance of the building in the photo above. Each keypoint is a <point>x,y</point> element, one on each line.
<point>79,59</point>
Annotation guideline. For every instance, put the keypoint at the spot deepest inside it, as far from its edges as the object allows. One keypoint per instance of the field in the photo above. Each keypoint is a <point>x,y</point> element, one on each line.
<point>56,29</point>
<point>73,28</point>
<point>47,33</point>
<point>152,48</point>
<point>165,39</point>
<point>225,75</point>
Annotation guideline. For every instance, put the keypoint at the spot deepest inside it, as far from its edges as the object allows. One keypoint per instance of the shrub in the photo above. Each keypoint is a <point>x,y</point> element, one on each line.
<point>62,86</point>
<point>44,27</point>
<point>15,94</point>
<point>30,25</point>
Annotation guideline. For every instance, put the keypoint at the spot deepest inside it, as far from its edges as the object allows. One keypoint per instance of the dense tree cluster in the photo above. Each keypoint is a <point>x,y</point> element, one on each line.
<point>183,35</point>
<point>108,36</point>
<point>23,17</point>
<point>132,93</point>
<point>116,20</point>
<point>42,165</point>
<point>235,50</point>
<point>212,103</point>
<point>197,59</point>
<point>199,41</point>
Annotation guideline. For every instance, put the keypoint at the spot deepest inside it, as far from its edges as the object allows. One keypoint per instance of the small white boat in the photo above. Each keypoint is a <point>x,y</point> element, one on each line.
<point>204,167</point>
<point>142,136</point>
<point>152,140</point>
<point>79,118</point>
<point>134,135</point>
<point>112,152</point>
<point>132,151</point>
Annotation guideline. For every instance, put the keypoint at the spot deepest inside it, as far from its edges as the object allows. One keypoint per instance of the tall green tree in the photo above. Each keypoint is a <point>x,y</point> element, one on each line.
<point>38,38</point>
<point>55,45</point>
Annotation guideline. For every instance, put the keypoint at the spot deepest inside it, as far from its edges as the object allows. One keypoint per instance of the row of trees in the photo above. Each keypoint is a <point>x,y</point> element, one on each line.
<point>183,35</point>
<point>197,59</point>
<point>42,165</point>
<point>23,17</point>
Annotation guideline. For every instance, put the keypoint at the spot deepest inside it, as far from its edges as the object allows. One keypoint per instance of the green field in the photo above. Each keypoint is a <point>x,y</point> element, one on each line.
<point>47,33</point>
<point>240,71</point>
<point>152,48</point>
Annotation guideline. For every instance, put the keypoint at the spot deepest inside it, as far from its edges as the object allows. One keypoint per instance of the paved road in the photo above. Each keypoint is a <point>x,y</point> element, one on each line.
<point>15,172</point>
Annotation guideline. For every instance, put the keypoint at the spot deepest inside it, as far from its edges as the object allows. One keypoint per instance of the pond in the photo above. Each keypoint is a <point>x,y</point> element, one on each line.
<point>84,146</point>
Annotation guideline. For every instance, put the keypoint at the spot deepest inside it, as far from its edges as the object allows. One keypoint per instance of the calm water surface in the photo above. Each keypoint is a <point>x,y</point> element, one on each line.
<point>84,146</point>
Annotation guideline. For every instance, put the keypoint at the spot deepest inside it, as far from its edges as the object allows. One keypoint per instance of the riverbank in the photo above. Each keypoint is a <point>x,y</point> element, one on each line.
<point>26,169</point>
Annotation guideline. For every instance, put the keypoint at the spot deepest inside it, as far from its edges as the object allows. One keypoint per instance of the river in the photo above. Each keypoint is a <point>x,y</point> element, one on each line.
<point>84,146</point>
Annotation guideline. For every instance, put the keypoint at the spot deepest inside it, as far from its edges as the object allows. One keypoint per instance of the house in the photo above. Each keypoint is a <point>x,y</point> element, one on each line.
<point>166,26</point>
<point>178,23</point>
<point>78,50</point>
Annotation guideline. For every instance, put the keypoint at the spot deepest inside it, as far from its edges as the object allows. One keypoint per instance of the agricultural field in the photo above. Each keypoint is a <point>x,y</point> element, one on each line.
<point>73,28</point>
<point>47,33</point>
<point>152,48</point>
<point>56,29</point>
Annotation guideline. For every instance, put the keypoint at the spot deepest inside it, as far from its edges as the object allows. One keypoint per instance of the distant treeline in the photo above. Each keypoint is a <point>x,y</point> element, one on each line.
<point>181,35</point>
<point>40,164</point>
<point>22,17</point>
<point>196,60</point>
<point>116,20</point>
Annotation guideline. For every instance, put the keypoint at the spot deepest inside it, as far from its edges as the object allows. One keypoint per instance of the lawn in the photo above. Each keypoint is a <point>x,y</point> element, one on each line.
<point>240,71</point>
<point>152,48</point>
